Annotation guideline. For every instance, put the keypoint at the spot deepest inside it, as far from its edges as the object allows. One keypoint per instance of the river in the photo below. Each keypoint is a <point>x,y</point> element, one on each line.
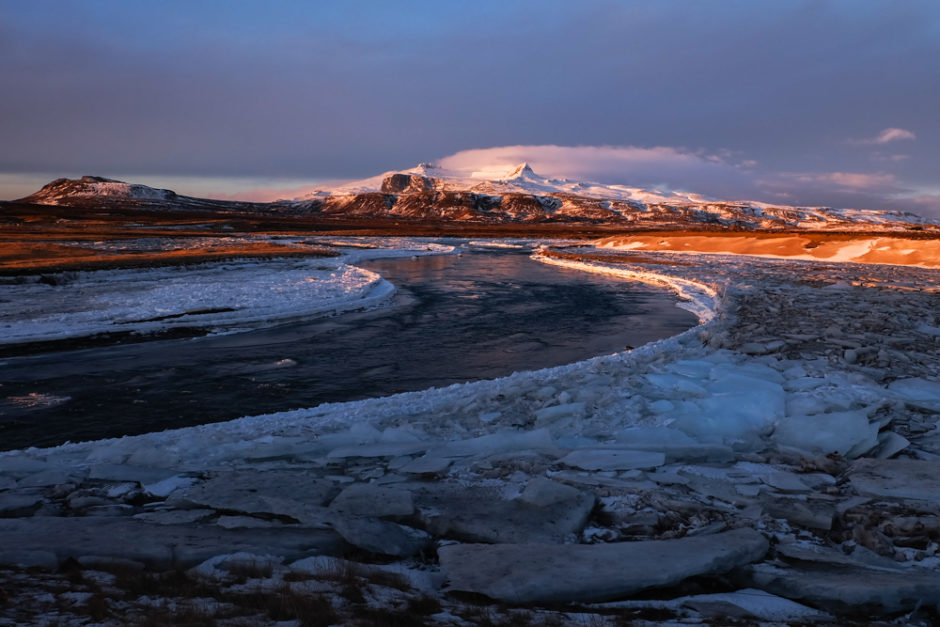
<point>454,318</point>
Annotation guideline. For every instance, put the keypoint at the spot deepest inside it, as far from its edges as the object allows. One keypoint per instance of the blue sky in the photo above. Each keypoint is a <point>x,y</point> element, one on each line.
<point>784,101</point>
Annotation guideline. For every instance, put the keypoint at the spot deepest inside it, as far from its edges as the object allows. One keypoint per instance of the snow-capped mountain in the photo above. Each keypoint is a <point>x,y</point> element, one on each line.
<point>95,192</point>
<point>496,195</point>
<point>518,193</point>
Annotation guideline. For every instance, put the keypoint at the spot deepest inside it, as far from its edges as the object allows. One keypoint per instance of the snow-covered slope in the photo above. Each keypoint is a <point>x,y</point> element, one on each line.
<point>498,195</point>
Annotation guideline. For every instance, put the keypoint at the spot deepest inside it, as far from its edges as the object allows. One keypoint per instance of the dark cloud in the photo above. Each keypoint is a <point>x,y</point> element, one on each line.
<point>350,89</point>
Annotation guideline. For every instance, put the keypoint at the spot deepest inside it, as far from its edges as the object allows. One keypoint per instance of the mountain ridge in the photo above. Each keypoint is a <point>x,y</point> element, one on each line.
<point>497,195</point>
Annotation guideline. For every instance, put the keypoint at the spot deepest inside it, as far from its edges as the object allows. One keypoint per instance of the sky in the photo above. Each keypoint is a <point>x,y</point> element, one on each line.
<point>802,102</point>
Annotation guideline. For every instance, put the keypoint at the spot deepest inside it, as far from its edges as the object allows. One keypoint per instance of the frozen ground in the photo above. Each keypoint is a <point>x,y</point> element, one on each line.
<point>778,463</point>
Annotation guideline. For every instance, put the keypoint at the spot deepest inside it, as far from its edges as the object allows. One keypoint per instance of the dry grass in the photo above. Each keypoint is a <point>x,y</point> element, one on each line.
<point>32,257</point>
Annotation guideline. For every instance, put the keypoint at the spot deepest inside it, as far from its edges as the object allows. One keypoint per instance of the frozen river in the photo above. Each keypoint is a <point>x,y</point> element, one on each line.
<point>478,316</point>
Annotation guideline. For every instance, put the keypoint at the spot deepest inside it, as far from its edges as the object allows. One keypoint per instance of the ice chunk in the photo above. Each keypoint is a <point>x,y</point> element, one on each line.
<point>427,465</point>
<point>692,368</point>
<point>544,573</point>
<point>613,459</point>
<point>366,499</point>
<point>380,449</point>
<point>740,408</point>
<point>674,383</point>
<point>751,369</point>
<point>498,443</point>
<point>804,383</point>
<point>752,603</point>
<point>653,437</point>
<point>662,406</point>
<point>838,432</point>
<point>167,486</point>
<point>889,444</point>
<point>218,567</point>
<point>555,413</point>
<point>918,391</point>
<point>21,464</point>
<point>795,372</point>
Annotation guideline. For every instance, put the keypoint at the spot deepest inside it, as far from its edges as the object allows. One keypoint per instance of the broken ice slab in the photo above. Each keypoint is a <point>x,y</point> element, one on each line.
<point>555,413</point>
<point>159,546</point>
<point>380,536</point>
<point>918,392</point>
<point>901,479</point>
<point>675,384</point>
<point>325,567</point>
<point>427,465</point>
<point>19,503</point>
<point>367,499</point>
<point>502,441</point>
<point>50,477</point>
<point>167,486</point>
<point>127,472</point>
<point>841,432</point>
<point>596,480</point>
<point>381,449</point>
<point>860,557</point>
<point>548,573</point>
<point>612,459</point>
<point>545,512</point>
<point>255,492</point>
<point>220,566</point>
<point>737,408</point>
<point>675,444</point>
<point>751,603</point>
<point>841,588</point>
<point>890,444</point>
<point>174,516</point>
<point>811,513</point>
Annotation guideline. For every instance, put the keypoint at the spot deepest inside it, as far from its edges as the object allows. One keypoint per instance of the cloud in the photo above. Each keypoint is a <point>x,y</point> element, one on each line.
<point>719,174</point>
<point>879,181</point>
<point>927,205</point>
<point>878,156</point>
<point>886,136</point>
<point>662,167</point>
<point>859,190</point>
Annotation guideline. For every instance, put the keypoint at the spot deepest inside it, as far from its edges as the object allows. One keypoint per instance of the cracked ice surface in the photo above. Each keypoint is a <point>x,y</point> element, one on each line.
<point>227,296</point>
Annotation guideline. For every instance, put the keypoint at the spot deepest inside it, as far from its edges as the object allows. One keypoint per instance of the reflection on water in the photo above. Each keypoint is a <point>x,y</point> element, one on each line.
<point>481,315</point>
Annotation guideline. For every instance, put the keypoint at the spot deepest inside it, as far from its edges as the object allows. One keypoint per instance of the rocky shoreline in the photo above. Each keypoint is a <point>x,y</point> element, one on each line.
<point>778,464</point>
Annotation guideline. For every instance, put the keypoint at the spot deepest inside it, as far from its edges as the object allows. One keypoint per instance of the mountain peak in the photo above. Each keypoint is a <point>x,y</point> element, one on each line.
<point>63,190</point>
<point>522,170</point>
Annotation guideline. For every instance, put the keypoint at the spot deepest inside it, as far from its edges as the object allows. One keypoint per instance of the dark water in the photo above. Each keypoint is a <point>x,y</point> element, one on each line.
<point>479,316</point>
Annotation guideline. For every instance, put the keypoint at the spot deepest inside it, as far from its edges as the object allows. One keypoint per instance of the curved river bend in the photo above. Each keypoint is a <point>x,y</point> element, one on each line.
<point>478,316</point>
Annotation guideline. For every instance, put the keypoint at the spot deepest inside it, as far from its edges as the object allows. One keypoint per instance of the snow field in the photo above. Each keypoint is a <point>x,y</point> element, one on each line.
<point>223,296</point>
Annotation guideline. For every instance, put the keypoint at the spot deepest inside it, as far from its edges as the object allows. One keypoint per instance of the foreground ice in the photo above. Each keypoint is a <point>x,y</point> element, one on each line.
<point>778,414</point>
